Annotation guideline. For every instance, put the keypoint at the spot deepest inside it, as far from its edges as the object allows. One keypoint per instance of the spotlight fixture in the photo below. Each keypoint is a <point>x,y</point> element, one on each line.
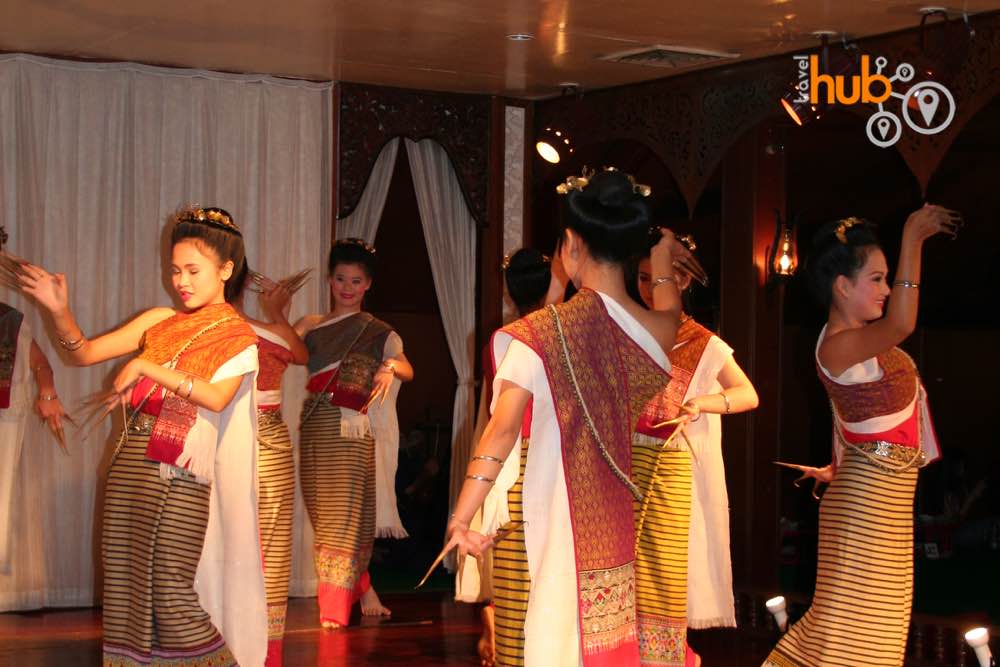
<point>520,37</point>
<point>979,640</point>
<point>553,144</point>
<point>776,606</point>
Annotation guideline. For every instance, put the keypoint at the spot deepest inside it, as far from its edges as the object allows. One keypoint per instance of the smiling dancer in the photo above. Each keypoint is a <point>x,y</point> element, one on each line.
<point>882,435</point>
<point>350,435</point>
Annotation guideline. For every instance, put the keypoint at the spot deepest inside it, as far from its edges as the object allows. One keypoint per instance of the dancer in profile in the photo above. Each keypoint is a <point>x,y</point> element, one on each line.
<point>882,435</point>
<point>683,567</point>
<point>183,474</point>
<point>587,366</point>
<point>533,281</point>
<point>350,435</point>
<point>277,346</point>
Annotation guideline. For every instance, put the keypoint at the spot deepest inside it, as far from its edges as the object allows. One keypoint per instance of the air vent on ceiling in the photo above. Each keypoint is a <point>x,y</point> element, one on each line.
<point>669,57</point>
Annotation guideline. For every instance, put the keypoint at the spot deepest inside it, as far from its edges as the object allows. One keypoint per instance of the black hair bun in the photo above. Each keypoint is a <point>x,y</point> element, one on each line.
<point>611,216</point>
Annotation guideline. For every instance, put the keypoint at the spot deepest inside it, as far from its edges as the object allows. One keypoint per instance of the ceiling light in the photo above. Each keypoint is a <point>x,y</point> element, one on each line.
<point>520,37</point>
<point>553,145</point>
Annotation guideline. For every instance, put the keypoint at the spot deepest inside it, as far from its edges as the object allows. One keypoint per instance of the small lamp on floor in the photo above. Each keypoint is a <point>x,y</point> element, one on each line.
<point>979,640</point>
<point>777,608</point>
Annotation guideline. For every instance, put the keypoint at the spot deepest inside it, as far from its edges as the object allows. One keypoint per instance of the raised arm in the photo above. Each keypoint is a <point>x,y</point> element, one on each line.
<point>844,349</point>
<point>52,293</point>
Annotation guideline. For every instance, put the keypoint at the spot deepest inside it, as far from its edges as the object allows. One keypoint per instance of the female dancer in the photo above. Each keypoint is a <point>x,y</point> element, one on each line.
<point>683,569</point>
<point>277,346</point>
<point>349,434</point>
<point>587,366</point>
<point>20,357</point>
<point>860,614</point>
<point>533,281</point>
<point>183,474</point>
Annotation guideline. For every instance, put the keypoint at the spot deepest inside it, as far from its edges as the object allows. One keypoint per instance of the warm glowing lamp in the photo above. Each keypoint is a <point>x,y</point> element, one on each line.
<point>776,606</point>
<point>979,640</point>
<point>553,145</point>
<point>782,258</point>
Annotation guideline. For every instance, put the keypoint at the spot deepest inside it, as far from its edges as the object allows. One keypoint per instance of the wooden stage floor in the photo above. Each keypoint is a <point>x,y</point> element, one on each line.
<point>426,629</point>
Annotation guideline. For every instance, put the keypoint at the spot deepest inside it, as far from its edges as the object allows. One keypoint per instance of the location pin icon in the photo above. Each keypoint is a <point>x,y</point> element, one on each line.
<point>928,101</point>
<point>883,127</point>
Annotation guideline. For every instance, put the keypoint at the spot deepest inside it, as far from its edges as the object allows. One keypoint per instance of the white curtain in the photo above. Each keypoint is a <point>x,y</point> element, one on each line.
<point>363,222</point>
<point>450,235</point>
<point>93,158</point>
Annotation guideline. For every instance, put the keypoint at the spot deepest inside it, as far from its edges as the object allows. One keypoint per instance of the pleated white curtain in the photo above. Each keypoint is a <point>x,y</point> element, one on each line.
<point>450,235</point>
<point>363,222</point>
<point>93,159</point>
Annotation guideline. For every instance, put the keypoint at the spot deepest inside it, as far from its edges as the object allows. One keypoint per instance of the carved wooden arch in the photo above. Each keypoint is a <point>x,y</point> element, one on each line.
<point>691,121</point>
<point>371,116</point>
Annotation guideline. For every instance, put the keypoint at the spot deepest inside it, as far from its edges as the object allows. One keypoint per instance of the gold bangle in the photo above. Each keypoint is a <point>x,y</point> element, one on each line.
<point>73,345</point>
<point>906,283</point>
<point>47,397</point>
<point>664,279</point>
<point>180,385</point>
<point>726,399</point>
<point>487,458</point>
<point>190,381</point>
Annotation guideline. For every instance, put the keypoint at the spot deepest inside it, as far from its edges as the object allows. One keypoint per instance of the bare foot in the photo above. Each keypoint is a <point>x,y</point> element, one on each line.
<point>330,625</point>
<point>372,606</point>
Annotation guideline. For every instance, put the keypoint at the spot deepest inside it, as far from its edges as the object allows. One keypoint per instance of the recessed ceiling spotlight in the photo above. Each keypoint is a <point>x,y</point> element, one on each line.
<point>932,10</point>
<point>520,37</point>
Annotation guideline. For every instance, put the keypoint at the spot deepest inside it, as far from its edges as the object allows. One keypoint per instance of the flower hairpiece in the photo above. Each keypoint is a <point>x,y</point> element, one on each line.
<point>214,217</point>
<point>505,264</point>
<point>845,224</point>
<point>361,243</point>
<point>581,181</point>
<point>688,241</point>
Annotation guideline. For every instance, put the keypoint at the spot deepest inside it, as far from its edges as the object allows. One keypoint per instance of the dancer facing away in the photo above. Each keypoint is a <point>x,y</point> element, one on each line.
<point>277,346</point>
<point>588,366</point>
<point>533,281</point>
<point>183,475</point>
<point>350,435</point>
<point>882,435</point>
<point>683,567</point>
<point>20,358</point>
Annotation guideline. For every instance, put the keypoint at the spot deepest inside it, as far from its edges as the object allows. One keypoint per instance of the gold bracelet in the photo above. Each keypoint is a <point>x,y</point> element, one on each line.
<point>664,279</point>
<point>180,384</point>
<point>906,283</point>
<point>190,381</point>
<point>47,397</point>
<point>726,399</point>
<point>73,345</point>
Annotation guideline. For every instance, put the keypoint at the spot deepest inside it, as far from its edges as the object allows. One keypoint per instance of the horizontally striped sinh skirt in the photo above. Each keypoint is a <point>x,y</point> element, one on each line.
<point>276,472</point>
<point>662,521</point>
<point>860,614</point>
<point>154,530</point>
<point>511,582</point>
<point>338,486</point>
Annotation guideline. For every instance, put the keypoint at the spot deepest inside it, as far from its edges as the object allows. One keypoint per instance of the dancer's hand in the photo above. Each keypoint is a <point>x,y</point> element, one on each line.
<point>382,383</point>
<point>49,290</point>
<point>52,413</point>
<point>929,220</point>
<point>466,541</point>
<point>275,301</point>
<point>127,378</point>
<point>691,410</point>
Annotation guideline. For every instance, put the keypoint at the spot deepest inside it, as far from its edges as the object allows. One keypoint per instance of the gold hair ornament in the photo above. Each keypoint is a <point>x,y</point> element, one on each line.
<point>845,224</point>
<point>505,264</point>
<point>581,181</point>
<point>688,241</point>
<point>210,216</point>
<point>361,243</point>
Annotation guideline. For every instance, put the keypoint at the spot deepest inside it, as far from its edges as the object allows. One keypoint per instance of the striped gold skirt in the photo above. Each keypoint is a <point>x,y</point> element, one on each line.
<point>276,472</point>
<point>662,522</point>
<point>338,486</point>
<point>154,530</point>
<point>860,614</point>
<point>511,581</point>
